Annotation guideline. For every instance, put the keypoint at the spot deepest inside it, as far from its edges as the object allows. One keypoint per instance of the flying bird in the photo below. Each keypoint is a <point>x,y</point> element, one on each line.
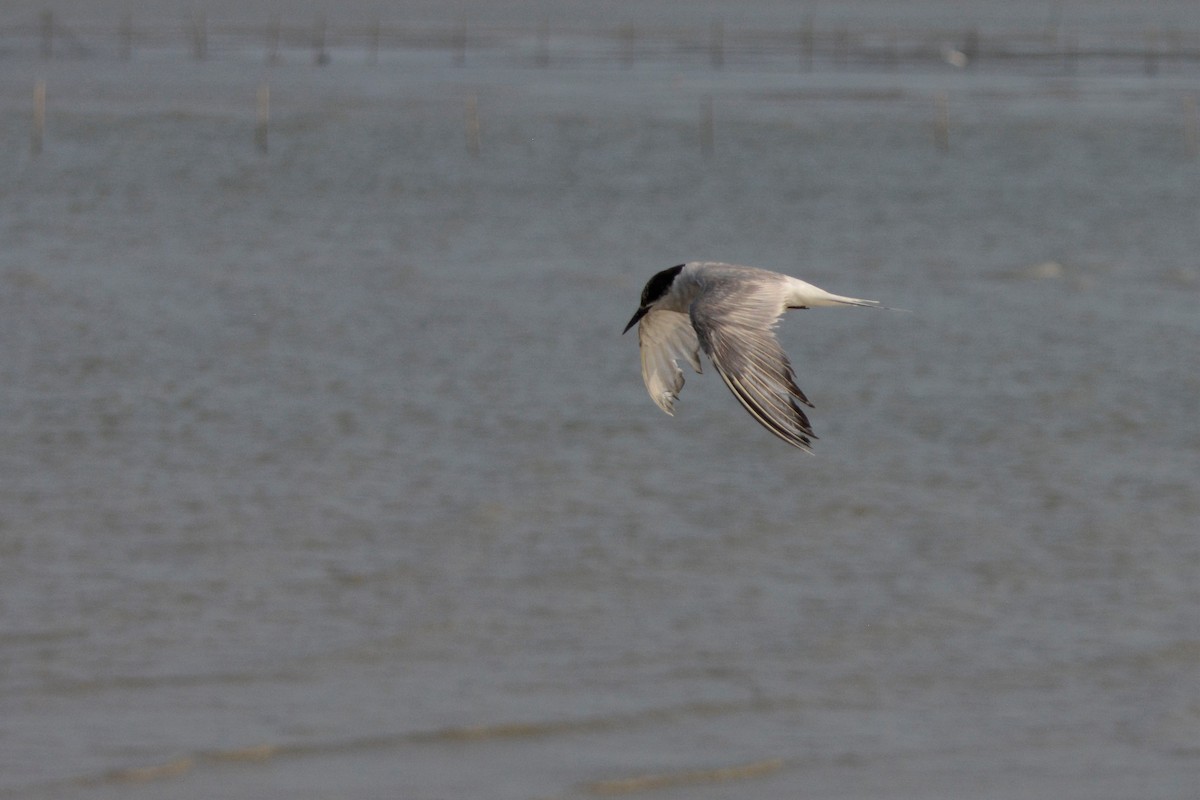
<point>730,313</point>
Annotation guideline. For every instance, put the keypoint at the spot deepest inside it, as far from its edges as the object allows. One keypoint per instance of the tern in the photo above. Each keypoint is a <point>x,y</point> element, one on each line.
<point>730,312</point>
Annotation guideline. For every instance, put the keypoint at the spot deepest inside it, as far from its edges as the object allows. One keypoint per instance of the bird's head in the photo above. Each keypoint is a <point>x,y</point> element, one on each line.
<point>656,288</point>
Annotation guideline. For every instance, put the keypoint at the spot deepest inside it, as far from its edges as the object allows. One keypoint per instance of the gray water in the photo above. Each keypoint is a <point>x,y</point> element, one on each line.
<point>326,472</point>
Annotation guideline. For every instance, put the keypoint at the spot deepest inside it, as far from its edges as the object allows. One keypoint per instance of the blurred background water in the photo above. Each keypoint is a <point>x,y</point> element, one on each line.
<point>325,471</point>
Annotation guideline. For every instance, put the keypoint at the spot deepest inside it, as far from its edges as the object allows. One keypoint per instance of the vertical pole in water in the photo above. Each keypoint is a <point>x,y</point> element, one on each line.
<point>273,40</point>
<point>39,117</point>
<point>472,125</point>
<point>841,47</point>
<point>1176,40</point>
<point>1050,31</point>
<point>199,37</point>
<point>716,44</point>
<point>460,44</point>
<point>628,36</point>
<point>971,46</point>
<point>264,118</point>
<point>47,34</point>
<point>706,126</point>
<point>1151,57</point>
<point>373,45</point>
<point>806,37</point>
<point>941,122</point>
<point>1191,126</point>
<point>890,56</point>
<point>320,56</point>
<point>543,44</point>
<point>126,37</point>
<point>1070,53</point>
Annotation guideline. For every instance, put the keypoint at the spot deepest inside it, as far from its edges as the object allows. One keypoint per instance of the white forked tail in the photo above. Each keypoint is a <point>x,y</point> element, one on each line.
<point>805,295</point>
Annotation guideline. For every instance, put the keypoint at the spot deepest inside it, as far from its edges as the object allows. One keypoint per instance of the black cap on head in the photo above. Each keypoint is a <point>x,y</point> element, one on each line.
<point>655,288</point>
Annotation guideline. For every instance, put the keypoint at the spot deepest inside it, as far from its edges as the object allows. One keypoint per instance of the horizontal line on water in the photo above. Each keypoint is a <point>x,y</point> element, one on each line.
<point>666,780</point>
<point>266,751</point>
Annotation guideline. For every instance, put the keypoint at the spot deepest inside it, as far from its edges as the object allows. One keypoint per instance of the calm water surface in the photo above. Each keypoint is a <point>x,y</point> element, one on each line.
<point>326,472</point>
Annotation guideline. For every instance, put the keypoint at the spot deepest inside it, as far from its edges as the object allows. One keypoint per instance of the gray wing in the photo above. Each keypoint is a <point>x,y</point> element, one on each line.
<point>665,337</point>
<point>735,325</point>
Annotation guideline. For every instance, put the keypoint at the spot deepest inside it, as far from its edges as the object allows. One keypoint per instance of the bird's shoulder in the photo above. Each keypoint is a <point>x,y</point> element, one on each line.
<point>733,294</point>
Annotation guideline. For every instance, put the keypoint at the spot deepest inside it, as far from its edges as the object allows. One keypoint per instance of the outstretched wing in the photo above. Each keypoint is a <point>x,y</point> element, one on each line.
<point>665,337</point>
<point>735,322</point>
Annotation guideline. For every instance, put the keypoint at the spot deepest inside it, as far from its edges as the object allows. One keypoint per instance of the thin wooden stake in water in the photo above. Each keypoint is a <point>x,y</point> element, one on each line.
<point>1191,126</point>
<point>890,55</point>
<point>1151,56</point>
<point>373,45</point>
<point>199,37</point>
<point>320,55</point>
<point>1070,53</point>
<point>941,122</point>
<point>273,40</point>
<point>716,45</point>
<point>543,44</point>
<point>841,47</point>
<point>706,126</point>
<point>126,37</point>
<point>47,34</point>
<point>628,36</point>
<point>806,37</point>
<point>39,117</point>
<point>460,44</point>
<point>1050,31</point>
<point>971,47</point>
<point>264,118</point>
<point>472,125</point>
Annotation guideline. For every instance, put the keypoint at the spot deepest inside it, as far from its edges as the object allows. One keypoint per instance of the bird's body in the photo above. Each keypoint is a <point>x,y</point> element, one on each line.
<point>730,313</point>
